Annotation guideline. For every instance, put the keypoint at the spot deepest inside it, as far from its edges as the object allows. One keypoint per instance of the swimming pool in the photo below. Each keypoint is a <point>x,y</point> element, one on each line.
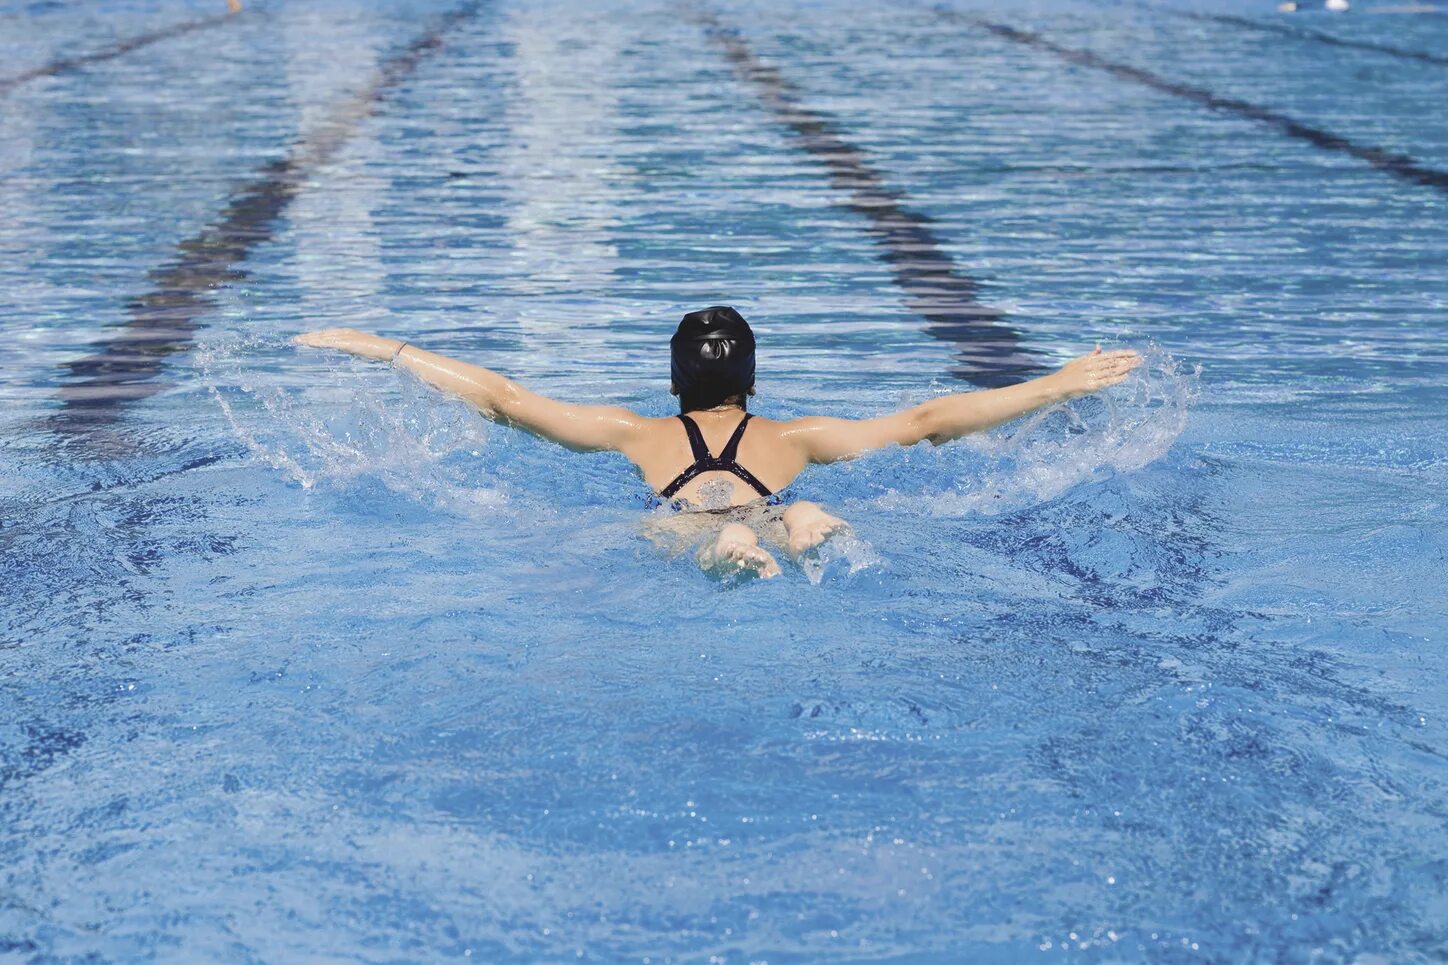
<point>302,662</point>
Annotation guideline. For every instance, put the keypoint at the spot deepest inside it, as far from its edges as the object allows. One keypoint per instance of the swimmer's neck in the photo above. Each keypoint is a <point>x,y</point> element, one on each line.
<point>716,410</point>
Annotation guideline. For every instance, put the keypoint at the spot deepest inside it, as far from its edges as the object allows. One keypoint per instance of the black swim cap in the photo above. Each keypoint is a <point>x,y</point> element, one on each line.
<point>713,357</point>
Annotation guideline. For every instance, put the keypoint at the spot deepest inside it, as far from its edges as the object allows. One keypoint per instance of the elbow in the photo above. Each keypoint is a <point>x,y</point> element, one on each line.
<point>499,403</point>
<point>928,424</point>
<point>484,403</point>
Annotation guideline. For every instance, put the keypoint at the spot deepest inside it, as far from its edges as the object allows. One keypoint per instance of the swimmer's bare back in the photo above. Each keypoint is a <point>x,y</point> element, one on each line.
<point>774,452</point>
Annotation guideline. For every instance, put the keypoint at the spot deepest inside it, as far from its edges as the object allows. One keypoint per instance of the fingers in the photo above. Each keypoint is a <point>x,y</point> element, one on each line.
<point>1096,356</point>
<point>748,555</point>
<point>1105,369</point>
<point>324,337</point>
<point>1110,377</point>
<point>1115,362</point>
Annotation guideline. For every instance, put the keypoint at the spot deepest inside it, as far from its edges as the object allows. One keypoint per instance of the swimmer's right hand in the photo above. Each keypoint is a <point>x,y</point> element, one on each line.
<point>1095,371</point>
<point>351,341</point>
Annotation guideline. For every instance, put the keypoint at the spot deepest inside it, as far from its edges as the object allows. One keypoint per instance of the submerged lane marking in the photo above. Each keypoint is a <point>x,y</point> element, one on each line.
<point>1304,33</point>
<point>1408,168</point>
<point>163,320</point>
<point>120,47</point>
<point>989,351</point>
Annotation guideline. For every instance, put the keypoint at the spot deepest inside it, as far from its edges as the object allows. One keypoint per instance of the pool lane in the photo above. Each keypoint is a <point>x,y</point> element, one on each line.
<point>1307,34</point>
<point>117,49</point>
<point>1401,165</point>
<point>163,320</point>
<point>989,350</point>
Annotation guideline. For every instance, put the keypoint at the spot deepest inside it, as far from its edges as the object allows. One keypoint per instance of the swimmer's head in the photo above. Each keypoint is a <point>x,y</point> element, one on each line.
<point>713,359</point>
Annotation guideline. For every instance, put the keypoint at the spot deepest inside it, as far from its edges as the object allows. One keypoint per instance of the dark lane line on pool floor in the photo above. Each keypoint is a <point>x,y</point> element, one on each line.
<point>163,320</point>
<point>989,352</point>
<point>1405,167</point>
<point>1304,33</point>
<point>117,49</point>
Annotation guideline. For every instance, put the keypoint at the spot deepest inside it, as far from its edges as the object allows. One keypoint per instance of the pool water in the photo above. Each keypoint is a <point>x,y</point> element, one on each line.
<point>300,660</point>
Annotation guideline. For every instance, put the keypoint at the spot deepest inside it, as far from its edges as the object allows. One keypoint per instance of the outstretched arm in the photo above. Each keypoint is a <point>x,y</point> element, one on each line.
<point>952,416</point>
<point>584,428</point>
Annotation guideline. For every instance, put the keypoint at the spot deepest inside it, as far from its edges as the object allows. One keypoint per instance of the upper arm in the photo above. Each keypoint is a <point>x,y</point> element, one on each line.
<point>583,428</point>
<point>825,439</point>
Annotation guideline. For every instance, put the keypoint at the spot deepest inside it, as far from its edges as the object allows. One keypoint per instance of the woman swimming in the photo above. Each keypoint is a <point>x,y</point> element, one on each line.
<point>714,454</point>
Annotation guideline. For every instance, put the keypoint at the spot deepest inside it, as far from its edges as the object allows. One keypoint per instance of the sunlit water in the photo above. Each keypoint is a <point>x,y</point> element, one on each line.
<point>302,661</point>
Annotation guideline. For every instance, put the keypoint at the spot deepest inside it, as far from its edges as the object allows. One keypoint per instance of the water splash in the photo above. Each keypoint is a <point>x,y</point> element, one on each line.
<point>679,534</point>
<point>716,494</point>
<point>842,555</point>
<point>1086,439</point>
<point>414,442</point>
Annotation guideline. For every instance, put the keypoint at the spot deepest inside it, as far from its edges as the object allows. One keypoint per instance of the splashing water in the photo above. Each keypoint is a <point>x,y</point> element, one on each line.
<point>1086,439</point>
<point>843,554</point>
<point>716,494</point>
<point>419,445</point>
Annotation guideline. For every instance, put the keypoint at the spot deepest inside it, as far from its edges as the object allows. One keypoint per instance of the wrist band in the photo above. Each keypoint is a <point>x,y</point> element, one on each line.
<point>398,350</point>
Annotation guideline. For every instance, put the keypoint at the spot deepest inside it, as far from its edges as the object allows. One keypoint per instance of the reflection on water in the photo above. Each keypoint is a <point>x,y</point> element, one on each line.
<point>988,350</point>
<point>1315,36</point>
<point>1393,162</point>
<point>161,321</point>
<point>120,48</point>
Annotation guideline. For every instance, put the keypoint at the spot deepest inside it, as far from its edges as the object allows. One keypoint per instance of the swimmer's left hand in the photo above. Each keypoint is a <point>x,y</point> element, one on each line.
<point>351,341</point>
<point>1096,371</point>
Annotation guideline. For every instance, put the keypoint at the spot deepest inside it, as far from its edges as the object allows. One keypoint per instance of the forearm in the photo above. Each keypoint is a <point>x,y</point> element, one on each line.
<point>494,395</point>
<point>958,415</point>
<point>953,416</point>
<point>587,428</point>
<point>583,428</point>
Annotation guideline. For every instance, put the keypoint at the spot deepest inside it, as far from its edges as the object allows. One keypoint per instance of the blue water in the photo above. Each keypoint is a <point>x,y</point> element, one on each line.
<point>300,661</point>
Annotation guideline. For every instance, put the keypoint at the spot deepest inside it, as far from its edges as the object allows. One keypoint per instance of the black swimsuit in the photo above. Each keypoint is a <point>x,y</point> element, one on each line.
<point>703,462</point>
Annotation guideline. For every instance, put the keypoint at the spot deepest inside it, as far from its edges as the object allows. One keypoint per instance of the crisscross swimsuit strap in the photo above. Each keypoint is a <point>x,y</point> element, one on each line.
<point>704,462</point>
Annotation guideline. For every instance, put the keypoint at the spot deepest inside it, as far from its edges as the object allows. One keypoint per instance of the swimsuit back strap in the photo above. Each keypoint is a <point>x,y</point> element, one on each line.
<point>727,461</point>
<point>732,447</point>
<point>696,439</point>
<point>704,462</point>
<point>750,478</point>
<point>680,481</point>
<point>702,459</point>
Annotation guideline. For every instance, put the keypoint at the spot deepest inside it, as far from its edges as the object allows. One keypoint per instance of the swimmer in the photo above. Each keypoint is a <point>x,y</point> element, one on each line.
<point>714,456</point>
